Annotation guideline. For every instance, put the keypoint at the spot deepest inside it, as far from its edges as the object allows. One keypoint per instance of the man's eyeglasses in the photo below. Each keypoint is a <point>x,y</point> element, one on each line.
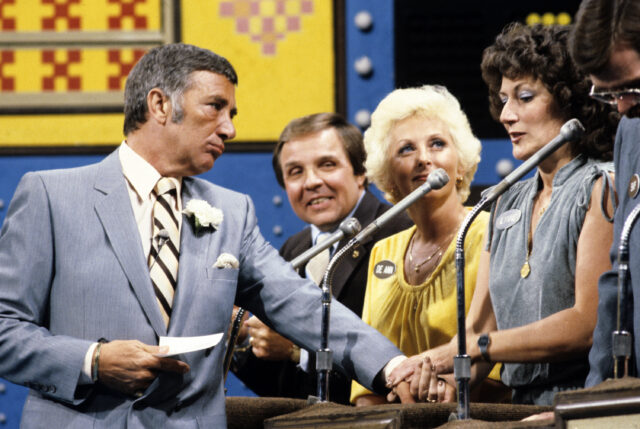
<point>611,97</point>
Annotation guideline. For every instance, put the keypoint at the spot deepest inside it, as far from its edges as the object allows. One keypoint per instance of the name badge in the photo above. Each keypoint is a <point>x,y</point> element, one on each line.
<point>508,218</point>
<point>384,269</point>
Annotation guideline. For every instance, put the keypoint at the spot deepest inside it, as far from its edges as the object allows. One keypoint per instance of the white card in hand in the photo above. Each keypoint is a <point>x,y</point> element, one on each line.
<point>179,345</point>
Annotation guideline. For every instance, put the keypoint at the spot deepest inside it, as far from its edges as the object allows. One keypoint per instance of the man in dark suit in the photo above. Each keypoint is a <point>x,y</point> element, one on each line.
<point>319,161</point>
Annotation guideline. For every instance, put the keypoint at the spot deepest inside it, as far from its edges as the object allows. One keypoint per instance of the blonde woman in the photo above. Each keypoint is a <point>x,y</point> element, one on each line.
<point>411,288</point>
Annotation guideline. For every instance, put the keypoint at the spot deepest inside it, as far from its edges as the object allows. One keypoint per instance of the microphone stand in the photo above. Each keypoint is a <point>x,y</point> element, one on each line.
<point>622,339</point>
<point>571,130</point>
<point>324,355</point>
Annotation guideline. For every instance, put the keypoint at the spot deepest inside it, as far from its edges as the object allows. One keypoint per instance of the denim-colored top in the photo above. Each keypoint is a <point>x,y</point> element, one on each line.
<point>550,287</point>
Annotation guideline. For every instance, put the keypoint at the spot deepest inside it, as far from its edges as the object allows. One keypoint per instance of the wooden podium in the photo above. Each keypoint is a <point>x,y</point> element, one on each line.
<point>281,413</point>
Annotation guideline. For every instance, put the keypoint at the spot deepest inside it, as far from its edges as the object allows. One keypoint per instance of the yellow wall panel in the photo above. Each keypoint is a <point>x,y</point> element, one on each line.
<point>297,79</point>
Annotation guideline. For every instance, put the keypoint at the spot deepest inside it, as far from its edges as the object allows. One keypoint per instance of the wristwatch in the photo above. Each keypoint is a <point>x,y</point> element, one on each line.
<point>483,343</point>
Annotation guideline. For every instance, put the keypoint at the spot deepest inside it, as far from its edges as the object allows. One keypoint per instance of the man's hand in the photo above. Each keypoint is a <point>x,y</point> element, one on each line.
<point>266,343</point>
<point>440,357</point>
<point>424,385</point>
<point>130,366</point>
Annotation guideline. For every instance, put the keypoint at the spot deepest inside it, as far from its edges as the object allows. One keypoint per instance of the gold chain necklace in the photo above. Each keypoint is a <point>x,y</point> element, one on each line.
<point>526,268</point>
<point>438,251</point>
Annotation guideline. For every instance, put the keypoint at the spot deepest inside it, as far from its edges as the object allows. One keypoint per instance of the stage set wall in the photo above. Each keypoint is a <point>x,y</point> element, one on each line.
<point>321,69</point>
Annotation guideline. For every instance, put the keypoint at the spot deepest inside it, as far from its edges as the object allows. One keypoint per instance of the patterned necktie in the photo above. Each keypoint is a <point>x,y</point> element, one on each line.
<point>318,264</point>
<point>165,246</point>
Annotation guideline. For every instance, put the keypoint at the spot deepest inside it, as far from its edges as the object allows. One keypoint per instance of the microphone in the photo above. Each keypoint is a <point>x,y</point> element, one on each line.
<point>347,228</point>
<point>571,130</point>
<point>436,180</point>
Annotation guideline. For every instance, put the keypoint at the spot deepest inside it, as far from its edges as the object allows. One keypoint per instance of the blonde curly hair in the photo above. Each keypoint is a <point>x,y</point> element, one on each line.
<point>431,101</point>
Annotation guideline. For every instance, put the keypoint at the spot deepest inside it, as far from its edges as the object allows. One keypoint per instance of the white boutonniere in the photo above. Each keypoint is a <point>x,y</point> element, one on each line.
<point>226,260</point>
<point>203,214</point>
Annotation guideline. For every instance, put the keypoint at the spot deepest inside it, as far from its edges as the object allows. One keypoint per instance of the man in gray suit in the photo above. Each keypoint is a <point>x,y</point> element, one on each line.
<point>606,44</point>
<point>98,262</point>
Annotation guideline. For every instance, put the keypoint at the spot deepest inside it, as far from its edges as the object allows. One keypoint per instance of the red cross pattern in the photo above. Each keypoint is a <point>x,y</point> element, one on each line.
<point>116,83</point>
<point>6,23</point>
<point>266,28</point>
<point>7,83</point>
<point>61,70</point>
<point>127,11</point>
<point>61,12</point>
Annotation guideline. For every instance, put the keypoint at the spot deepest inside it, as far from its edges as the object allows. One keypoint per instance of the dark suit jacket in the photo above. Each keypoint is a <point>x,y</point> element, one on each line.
<point>285,378</point>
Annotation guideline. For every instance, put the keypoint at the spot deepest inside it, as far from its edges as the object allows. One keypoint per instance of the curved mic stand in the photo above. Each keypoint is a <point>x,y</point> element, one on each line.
<point>462,361</point>
<point>622,339</point>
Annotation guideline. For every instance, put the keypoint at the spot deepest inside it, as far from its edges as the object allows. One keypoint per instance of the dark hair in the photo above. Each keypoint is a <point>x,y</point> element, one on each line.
<point>350,137</point>
<point>540,52</point>
<point>168,67</point>
<point>600,24</point>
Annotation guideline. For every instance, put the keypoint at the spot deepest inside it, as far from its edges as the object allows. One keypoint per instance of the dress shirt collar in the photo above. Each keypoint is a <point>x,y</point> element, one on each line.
<point>141,175</point>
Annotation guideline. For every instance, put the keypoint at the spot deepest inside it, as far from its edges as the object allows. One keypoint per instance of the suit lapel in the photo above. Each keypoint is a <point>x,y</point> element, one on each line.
<point>116,215</point>
<point>365,213</point>
<point>193,259</point>
<point>300,247</point>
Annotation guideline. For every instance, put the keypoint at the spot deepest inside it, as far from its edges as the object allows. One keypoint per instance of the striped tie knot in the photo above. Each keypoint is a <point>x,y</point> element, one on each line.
<point>165,185</point>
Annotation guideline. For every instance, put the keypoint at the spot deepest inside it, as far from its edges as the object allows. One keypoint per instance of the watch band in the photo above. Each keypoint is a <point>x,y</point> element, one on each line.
<point>483,343</point>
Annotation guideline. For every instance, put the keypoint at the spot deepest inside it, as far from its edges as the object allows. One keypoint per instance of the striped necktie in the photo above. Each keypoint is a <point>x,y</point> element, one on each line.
<point>165,246</point>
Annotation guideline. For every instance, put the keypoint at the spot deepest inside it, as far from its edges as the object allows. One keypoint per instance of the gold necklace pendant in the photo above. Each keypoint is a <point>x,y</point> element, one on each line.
<point>525,270</point>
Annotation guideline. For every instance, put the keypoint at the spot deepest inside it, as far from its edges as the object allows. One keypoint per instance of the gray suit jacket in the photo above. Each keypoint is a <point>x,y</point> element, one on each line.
<point>72,270</point>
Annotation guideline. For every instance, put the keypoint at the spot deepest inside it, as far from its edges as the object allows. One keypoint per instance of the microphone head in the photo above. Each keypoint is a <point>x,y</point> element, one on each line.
<point>438,178</point>
<point>350,227</point>
<point>572,130</point>
<point>163,234</point>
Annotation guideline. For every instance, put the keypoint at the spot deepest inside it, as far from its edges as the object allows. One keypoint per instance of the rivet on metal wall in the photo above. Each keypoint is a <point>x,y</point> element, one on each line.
<point>3,418</point>
<point>363,66</point>
<point>277,200</point>
<point>3,388</point>
<point>504,167</point>
<point>363,20</point>
<point>363,118</point>
<point>277,230</point>
<point>1,204</point>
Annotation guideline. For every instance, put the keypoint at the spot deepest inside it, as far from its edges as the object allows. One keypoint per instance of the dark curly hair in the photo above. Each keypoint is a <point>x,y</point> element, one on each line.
<point>541,52</point>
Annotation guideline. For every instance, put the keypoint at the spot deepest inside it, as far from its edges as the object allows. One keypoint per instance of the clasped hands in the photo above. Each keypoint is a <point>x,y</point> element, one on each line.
<point>130,366</point>
<point>424,378</point>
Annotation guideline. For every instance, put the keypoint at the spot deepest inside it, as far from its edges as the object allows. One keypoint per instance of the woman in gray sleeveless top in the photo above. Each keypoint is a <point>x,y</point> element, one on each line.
<point>534,307</point>
<point>549,235</point>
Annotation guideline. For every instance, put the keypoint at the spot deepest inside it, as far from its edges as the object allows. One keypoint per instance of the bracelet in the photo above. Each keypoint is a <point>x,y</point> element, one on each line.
<point>295,353</point>
<point>96,358</point>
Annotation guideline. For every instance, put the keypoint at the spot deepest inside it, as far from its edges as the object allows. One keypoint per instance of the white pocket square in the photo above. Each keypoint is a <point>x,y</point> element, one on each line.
<point>226,260</point>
